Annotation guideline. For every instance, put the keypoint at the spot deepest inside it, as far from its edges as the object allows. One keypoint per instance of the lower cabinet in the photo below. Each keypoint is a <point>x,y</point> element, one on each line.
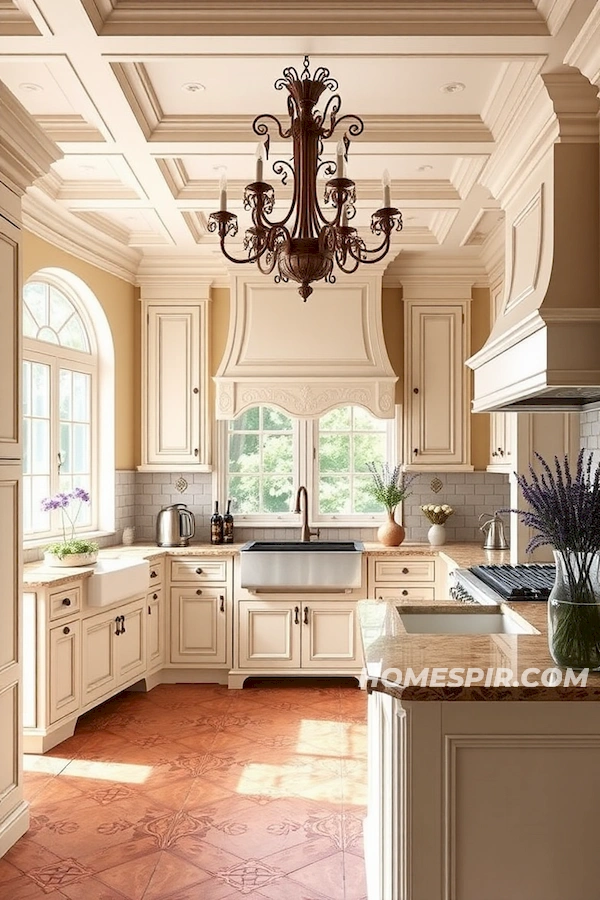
<point>199,626</point>
<point>65,670</point>
<point>404,578</point>
<point>155,630</point>
<point>297,634</point>
<point>114,649</point>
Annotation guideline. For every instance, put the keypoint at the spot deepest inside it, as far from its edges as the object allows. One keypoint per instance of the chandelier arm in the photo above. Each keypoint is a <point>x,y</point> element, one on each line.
<point>373,255</point>
<point>356,127</point>
<point>342,265</point>
<point>261,128</point>
<point>265,222</point>
<point>335,103</point>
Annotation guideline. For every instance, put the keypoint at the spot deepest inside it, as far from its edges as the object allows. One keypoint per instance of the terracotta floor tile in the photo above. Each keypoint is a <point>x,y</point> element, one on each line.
<point>194,792</point>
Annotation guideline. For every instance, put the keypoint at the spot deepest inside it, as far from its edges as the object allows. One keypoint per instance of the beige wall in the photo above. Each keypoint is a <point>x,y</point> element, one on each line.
<point>119,299</point>
<point>480,422</point>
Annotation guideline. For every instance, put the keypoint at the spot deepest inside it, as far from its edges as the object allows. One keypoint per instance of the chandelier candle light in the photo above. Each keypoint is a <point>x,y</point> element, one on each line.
<point>304,245</point>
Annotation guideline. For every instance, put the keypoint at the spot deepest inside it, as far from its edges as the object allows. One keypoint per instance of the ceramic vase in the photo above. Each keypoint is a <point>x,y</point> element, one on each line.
<point>71,559</point>
<point>574,611</point>
<point>390,534</point>
<point>437,535</point>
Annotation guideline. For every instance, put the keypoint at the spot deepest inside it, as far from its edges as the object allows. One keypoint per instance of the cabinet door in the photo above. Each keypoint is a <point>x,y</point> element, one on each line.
<point>10,341</point>
<point>131,642</point>
<point>155,630</point>
<point>501,442</point>
<point>199,626</point>
<point>65,674</point>
<point>330,636</point>
<point>436,387</point>
<point>98,649</point>
<point>269,634</point>
<point>174,386</point>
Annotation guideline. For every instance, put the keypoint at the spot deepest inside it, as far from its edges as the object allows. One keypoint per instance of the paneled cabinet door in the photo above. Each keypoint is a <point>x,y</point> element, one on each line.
<point>502,429</point>
<point>199,626</point>
<point>437,430</point>
<point>155,642</point>
<point>65,671</point>
<point>98,652</point>
<point>131,642</point>
<point>174,426</point>
<point>330,635</point>
<point>269,634</point>
<point>10,340</point>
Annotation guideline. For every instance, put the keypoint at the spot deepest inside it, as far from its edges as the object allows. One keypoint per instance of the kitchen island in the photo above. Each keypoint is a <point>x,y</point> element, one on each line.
<point>481,791</point>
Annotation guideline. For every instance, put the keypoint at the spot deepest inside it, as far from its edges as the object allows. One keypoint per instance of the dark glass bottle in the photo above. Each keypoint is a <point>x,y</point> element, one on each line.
<point>228,525</point>
<point>216,526</point>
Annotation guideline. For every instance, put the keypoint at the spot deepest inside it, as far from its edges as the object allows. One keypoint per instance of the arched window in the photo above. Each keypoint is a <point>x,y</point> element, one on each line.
<point>62,402</point>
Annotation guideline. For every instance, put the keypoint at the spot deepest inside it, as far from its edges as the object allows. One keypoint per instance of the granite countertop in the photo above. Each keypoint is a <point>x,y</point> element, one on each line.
<point>388,646</point>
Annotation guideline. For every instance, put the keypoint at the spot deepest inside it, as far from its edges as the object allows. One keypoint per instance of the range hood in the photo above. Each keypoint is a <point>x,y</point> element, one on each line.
<point>305,358</point>
<point>543,353</point>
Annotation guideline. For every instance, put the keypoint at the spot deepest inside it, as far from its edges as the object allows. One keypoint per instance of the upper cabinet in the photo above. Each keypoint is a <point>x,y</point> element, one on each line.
<point>436,391</point>
<point>10,337</point>
<point>175,376</point>
<point>502,425</point>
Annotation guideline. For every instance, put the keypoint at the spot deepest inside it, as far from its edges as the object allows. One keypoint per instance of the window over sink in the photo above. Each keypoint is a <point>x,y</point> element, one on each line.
<point>266,454</point>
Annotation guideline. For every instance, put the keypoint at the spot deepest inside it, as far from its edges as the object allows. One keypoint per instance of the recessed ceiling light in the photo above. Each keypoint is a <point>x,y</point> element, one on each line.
<point>192,87</point>
<point>87,167</point>
<point>453,87</point>
<point>30,86</point>
<point>425,168</point>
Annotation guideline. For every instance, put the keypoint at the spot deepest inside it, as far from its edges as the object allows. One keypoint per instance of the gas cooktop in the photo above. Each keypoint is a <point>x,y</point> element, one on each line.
<point>525,582</point>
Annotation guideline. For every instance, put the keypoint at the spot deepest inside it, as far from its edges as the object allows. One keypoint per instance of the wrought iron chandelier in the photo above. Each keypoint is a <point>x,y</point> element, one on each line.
<point>305,244</point>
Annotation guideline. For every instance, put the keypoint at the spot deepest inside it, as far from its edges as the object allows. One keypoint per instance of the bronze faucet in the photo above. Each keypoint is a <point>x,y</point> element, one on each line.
<point>306,531</point>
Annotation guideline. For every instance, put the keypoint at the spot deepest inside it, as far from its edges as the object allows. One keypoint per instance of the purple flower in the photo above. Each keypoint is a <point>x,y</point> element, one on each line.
<point>62,501</point>
<point>79,494</point>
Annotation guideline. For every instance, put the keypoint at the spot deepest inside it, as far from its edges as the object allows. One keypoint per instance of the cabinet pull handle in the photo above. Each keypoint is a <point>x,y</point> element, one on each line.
<point>198,571</point>
<point>415,390</point>
<point>306,615</point>
<point>149,610</point>
<point>66,601</point>
<point>416,450</point>
<point>153,574</point>
<point>222,606</point>
<point>297,614</point>
<point>122,624</point>
<point>405,571</point>
<point>155,596</point>
<point>118,624</point>
<point>66,630</point>
<point>198,591</point>
<point>405,593</point>
<point>196,391</point>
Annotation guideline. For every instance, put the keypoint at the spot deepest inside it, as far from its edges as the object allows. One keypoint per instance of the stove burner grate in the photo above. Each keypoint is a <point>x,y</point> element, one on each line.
<point>523,582</point>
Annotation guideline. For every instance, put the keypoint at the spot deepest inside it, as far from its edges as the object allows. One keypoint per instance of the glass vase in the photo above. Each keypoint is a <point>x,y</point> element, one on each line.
<point>574,611</point>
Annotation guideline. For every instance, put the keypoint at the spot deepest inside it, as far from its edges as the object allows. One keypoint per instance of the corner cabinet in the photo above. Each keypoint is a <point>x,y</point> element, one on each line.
<point>437,393</point>
<point>175,409</point>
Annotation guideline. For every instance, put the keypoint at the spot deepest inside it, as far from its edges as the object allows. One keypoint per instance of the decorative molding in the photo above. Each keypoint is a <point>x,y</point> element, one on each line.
<point>584,52</point>
<point>14,22</point>
<point>442,222</point>
<point>554,12</point>
<point>67,129</point>
<point>26,153</point>
<point>514,82</point>
<point>307,400</point>
<point>526,239</point>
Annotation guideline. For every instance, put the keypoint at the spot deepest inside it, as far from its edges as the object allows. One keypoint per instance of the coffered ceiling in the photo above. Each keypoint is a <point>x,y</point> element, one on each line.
<point>149,100</point>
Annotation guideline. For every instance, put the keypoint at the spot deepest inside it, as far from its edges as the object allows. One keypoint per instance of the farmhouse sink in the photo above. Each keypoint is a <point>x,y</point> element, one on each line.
<point>117,579</point>
<point>465,620</point>
<point>299,566</point>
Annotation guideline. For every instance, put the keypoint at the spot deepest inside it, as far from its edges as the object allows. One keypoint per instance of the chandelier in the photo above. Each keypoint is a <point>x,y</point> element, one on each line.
<point>304,245</point>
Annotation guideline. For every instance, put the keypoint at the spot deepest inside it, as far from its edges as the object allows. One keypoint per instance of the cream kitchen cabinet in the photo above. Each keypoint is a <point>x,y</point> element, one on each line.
<point>113,650</point>
<point>437,395</point>
<point>405,578</point>
<point>502,431</point>
<point>155,623</point>
<point>65,670</point>
<point>302,635</point>
<point>200,612</point>
<point>175,409</point>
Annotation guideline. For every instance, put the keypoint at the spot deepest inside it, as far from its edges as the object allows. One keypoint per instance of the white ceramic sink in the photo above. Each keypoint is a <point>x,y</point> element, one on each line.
<point>117,579</point>
<point>465,621</point>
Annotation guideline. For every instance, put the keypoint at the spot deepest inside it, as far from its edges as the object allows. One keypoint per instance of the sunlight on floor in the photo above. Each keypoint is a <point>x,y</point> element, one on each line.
<point>87,768</point>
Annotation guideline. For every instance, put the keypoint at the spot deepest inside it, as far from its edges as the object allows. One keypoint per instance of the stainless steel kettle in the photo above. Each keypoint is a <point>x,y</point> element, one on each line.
<point>495,538</point>
<point>175,526</point>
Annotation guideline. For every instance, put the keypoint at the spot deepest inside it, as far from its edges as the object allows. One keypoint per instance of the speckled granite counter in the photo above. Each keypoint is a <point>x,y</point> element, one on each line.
<point>389,648</point>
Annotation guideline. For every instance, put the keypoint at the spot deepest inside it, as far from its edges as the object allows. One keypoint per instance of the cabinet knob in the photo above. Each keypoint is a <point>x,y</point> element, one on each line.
<point>222,606</point>
<point>405,571</point>
<point>196,391</point>
<point>415,390</point>
<point>155,596</point>
<point>198,571</point>
<point>153,574</point>
<point>416,450</point>
<point>198,591</point>
<point>66,601</point>
<point>66,630</point>
<point>306,615</point>
<point>405,593</point>
<point>195,451</point>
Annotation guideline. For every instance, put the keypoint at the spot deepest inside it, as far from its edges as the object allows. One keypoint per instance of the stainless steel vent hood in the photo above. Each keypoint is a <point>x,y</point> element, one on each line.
<point>543,353</point>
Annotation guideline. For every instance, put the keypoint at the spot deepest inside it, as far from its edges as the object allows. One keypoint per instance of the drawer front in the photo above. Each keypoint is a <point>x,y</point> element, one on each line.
<point>404,570</point>
<point>156,569</point>
<point>65,602</point>
<point>200,570</point>
<point>405,595</point>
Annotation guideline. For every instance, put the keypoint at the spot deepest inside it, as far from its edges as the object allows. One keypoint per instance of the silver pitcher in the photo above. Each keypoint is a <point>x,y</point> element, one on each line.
<point>495,538</point>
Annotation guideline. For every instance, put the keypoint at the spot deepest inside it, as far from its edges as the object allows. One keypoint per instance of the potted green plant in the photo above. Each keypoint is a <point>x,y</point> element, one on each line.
<point>389,487</point>
<point>71,551</point>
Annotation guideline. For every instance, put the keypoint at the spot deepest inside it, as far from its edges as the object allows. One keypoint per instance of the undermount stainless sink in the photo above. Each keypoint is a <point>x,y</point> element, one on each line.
<point>301,565</point>
<point>465,620</point>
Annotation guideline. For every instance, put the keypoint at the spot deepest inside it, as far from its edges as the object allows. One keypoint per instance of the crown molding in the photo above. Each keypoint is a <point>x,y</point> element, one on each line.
<point>61,228</point>
<point>168,268</point>
<point>584,52</point>
<point>346,17</point>
<point>69,129</point>
<point>514,81</point>
<point>26,153</point>
<point>14,22</point>
<point>435,268</point>
<point>554,12</point>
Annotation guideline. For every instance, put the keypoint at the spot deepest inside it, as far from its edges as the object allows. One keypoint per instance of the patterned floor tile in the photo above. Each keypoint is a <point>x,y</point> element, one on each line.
<point>194,792</point>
